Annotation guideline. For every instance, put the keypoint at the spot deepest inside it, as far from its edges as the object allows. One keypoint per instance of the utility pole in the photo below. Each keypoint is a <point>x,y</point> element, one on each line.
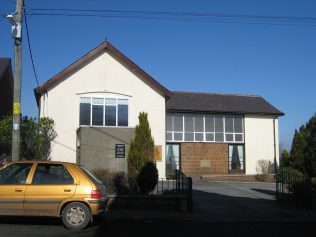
<point>17,35</point>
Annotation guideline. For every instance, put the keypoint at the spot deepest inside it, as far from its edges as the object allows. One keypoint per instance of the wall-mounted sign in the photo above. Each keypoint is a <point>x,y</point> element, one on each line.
<point>157,154</point>
<point>119,150</point>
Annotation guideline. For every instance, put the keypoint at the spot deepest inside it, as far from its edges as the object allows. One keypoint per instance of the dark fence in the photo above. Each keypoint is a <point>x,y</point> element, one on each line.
<point>294,189</point>
<point>178,187</point>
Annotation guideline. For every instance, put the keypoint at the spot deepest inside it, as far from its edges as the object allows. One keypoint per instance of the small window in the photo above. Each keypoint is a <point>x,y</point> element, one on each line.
<point>238,125</point>
<point>188,123</point>
<point>85,110</point>
<point>209,137</point>
<point>169,123</point>
<point>122,112</point>
<point>169,136</point>
<point>97,115</point>
<point>177,136</point>
<point>219,125</point>
<point>97,111</point>
<point>219,137</point>
<point>198,137</point>
<point>52,174</point>
<point>229,124</point>
<point>110,115</point>
<point>189,136</point>
<point>238,137</point>
<point>229,137</point>
<point>209,123</point>
<point>199,123</point>
<point>178,123</point>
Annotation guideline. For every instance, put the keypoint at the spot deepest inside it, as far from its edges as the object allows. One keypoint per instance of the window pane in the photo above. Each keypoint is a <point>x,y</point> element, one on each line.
<point>219,124</point>
<point>229,137</point>
<point>189,137</point>
<point>97,101</point>
<point>169,122</point>
<point>97,115</point>
<point>52,174</point>
<point>109,101</point>
<point>238,137</point>
<point>85,111</point>
<point>199,123</point>
<point>178,136</point>
<point>122,113</point>
<point>169,136</point>
<point>236,157</point>
<point>110,115</point>
<point>198,137</point>
<point>238,124</point>
<point>178,123</point>
<point>219,137</point>
<point>209,137</point>
<point>188,123</point>
<point>209,123</point>
<point>15,174</point>
<point>229,125</point>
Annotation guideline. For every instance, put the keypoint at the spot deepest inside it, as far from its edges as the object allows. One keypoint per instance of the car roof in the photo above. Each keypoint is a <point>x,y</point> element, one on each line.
<point>40,161</point>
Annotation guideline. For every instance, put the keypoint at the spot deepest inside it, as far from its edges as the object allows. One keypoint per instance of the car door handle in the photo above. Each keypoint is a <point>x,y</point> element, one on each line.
<point>18,190</point>
<point>67,190</point>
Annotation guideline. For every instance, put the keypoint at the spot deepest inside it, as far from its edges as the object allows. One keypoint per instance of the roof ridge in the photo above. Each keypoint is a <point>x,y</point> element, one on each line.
<point>210,93</point>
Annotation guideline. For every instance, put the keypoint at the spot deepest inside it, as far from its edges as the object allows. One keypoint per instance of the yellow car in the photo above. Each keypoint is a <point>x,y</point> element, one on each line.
<point>47,188</point>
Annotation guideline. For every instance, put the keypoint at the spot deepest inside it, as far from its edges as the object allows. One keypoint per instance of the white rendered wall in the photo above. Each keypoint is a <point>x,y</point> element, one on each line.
<point>261,141</point>
<point>101,76</point>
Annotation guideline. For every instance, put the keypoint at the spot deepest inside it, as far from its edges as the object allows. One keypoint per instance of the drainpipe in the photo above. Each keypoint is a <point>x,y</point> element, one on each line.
<point>274,147</point>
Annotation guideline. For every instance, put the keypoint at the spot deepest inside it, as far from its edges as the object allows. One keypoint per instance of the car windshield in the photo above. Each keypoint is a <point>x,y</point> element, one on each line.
<point>90,175</point>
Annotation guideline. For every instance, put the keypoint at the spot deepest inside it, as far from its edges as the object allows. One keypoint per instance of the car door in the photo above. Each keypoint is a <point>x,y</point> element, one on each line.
<point>51,185</point>
<point>12,188</point>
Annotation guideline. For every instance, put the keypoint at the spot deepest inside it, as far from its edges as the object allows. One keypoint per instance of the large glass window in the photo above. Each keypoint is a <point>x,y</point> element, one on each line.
<point>103,111</point>
<point>204,128</point>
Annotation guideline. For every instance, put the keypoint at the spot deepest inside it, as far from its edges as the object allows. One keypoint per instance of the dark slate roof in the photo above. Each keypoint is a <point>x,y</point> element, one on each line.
<point>219,103</point>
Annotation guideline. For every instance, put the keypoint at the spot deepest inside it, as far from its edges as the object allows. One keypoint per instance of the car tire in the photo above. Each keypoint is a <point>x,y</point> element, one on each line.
<point>76,216</point>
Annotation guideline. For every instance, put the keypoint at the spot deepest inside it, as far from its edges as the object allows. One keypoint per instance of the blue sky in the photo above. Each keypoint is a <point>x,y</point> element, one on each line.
<point>274,61</point>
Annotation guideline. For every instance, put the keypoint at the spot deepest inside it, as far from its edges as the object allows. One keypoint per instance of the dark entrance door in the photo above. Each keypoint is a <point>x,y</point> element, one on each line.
<point>172,159</point>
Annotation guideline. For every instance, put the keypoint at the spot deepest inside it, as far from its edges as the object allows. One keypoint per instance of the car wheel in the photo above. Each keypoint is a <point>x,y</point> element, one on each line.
<point>76,216</point>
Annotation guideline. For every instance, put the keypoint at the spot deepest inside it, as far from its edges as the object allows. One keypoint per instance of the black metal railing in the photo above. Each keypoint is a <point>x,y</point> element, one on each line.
<point>178,186</point>
<point>293,188</point>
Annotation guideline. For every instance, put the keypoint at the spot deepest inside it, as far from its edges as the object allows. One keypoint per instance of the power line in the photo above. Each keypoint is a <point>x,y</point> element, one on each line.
<point>176,16</point>
<point>30,49</point>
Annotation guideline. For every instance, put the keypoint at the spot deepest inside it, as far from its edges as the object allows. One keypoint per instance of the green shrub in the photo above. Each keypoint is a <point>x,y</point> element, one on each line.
<point>120,183</point>
<point>302,193</point>
<point>102,174</point>
<point>147,178</point>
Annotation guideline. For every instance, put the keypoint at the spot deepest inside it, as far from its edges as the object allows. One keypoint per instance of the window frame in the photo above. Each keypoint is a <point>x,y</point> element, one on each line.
<point>117,98</point>
<point>48,164</point>
<point>237,171</point>
<point>205,133</point>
